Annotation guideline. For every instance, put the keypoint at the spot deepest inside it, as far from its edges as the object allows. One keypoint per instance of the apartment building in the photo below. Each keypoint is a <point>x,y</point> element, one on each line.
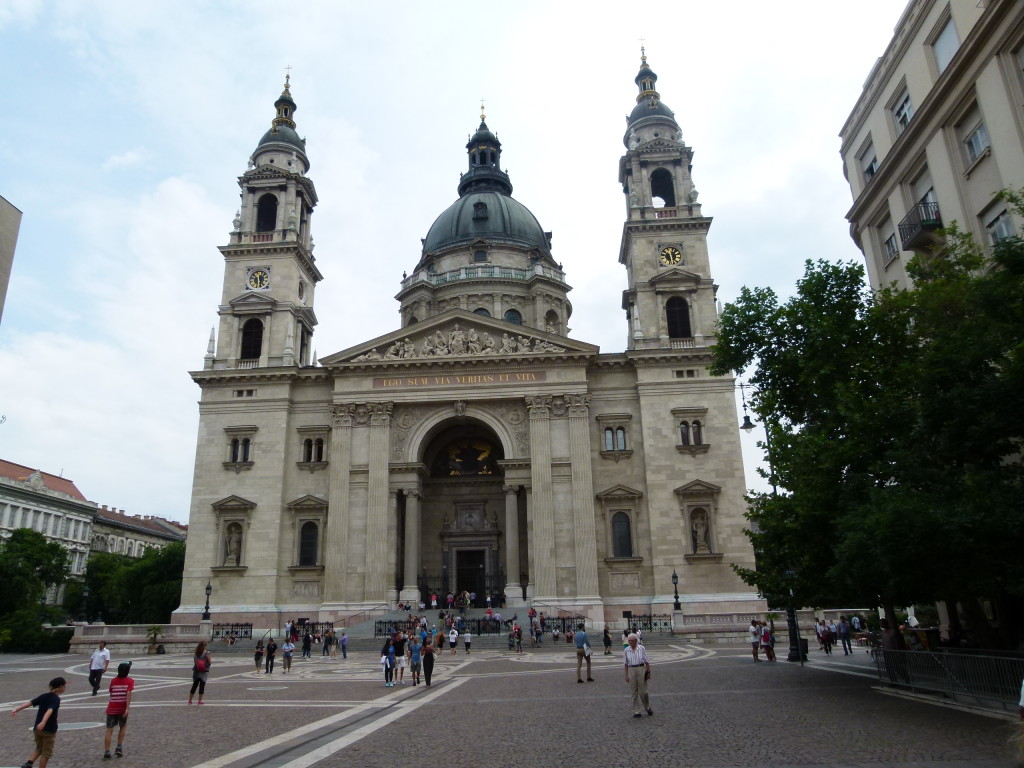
<point>936,133</point>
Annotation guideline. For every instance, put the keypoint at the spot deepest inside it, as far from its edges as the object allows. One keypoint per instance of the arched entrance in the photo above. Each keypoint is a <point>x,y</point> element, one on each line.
<point>462,505</point>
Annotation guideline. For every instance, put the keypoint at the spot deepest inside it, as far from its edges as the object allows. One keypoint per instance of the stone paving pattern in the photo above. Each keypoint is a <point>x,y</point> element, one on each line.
<point>713,707</point>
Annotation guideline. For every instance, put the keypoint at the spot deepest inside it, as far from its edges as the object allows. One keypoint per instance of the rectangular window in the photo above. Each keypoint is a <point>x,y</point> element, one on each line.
<point>976,141</point>
<point>945,46</point>
<point>891,249</point>
<point>869,162</point>
<point>902,111</point>
<point>1000,228</point>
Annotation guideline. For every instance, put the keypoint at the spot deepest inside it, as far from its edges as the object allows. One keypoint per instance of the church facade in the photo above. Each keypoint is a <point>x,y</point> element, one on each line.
<point>477,447</point>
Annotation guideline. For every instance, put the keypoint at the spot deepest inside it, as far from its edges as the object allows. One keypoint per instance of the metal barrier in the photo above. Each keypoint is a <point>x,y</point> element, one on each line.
<point>651,622</point>
<point>991,681</point>
<point>238,631</point>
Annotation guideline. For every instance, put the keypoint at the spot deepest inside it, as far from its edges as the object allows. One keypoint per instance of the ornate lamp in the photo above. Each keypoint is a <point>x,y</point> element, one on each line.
<point>206,610</point>
<point>675,587</point>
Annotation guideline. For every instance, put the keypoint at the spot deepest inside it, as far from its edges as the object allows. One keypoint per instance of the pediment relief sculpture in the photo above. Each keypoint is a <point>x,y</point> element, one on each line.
<point>459,341</point>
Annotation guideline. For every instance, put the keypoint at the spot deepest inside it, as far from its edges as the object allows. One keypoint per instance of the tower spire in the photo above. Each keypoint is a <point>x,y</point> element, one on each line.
<point>285,104</point>
<point>485,172</point>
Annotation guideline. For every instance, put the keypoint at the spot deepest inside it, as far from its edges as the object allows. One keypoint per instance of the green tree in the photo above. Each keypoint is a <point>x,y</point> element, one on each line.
<point>29,564</point>
<point>151,585</point>
<point>895,424</point>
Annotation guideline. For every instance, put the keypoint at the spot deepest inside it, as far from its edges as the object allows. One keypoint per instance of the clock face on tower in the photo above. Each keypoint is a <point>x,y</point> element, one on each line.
<point>670,256</point>
<point>258,279</point>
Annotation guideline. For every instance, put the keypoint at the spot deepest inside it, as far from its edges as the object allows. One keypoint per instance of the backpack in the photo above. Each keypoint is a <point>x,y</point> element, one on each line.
<point>202,665</point>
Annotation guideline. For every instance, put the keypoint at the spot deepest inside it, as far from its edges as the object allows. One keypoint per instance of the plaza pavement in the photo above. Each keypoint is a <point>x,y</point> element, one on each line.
<point>712,707</point>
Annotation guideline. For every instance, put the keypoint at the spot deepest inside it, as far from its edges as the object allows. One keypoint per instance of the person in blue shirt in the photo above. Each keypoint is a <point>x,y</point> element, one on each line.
<point>387,660</point>
<point>415,658</point>
<point>582,652</point>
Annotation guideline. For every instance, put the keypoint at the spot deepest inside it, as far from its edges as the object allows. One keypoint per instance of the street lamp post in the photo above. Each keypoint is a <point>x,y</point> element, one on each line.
<point>795,653</point>
<point>675,587</point>
<point>84,615</point>
<point>206,610</point>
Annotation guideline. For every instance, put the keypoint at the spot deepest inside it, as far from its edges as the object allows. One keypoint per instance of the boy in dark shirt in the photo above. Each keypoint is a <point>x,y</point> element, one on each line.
<point>45,730</point>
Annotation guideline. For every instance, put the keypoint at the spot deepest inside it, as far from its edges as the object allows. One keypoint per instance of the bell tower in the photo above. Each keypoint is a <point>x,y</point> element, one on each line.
<point>670,301</point>
<point>270,275</point>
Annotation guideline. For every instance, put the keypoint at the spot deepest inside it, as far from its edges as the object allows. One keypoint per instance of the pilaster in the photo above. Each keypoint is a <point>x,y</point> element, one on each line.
<point>336,539</point>
<point>542,541</point>
<point>582,496</point>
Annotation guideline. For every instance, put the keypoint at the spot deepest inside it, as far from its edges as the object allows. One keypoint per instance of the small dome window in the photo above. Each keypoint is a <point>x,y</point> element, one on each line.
<point>481,311</point>
<point>513,316</point>
<point>479,211</point>
<point>479,255</point>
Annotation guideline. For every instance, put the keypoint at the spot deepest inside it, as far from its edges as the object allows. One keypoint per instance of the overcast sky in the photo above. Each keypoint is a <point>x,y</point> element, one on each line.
<point>128,123</point>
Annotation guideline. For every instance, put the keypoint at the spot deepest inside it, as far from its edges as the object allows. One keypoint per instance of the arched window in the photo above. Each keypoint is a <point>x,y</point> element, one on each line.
<point>609,439</point>
<point>684,433</point>
<point>551,322</point>
<point>318,449</point>
<point>677,315</point>
<point>622,540</point>
<point>481,311</point>
<point>236,449</point>
<point>309,536</point>
<point>246,444</point>
<point>413,319</point>
<point>663,189</point>
<point>620,439</point>
<point>698,433</point>
<point>252,339</point>
<point>307,449</point>
<point>266,213</point>
<point>120,546</point>
<point>513,316</point>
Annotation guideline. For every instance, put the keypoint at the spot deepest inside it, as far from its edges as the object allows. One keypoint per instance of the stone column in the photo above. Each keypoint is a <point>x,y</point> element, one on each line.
<point>543,539</point>
<point>513,589</point>
<point>582,496</point>
<point>379,417</point>
<point>336,537</point>
<point>410,589</point>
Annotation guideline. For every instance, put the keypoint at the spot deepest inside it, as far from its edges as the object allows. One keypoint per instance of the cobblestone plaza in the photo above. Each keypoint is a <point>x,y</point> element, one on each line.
<point>712,707</point>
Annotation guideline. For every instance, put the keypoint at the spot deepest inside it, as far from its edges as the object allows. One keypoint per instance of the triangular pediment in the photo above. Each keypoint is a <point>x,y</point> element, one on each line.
<point>233,503</point>
<point>676,276</point>
<point>252,301</point>
<point>620,492</point>
<point>700,488</point>
<point>458,334</point>
<point>307,502</point>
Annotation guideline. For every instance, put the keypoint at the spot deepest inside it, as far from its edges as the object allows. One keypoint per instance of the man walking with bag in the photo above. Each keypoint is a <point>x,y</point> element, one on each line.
<point>638,672</point>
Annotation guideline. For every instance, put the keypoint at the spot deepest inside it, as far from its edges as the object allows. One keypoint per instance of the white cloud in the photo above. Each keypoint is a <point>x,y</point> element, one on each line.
<point>127,159</point>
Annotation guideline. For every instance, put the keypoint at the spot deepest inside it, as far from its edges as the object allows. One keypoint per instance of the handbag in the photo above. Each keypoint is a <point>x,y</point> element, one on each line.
<point>586,649</point>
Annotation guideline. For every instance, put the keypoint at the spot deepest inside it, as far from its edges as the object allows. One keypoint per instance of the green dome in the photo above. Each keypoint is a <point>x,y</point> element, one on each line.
<point>489,215</point>
<point>283,134</point>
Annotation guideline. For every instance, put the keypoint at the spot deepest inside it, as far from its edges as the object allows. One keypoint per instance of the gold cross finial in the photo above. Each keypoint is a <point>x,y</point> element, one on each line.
<point>643,51</point>
<point>287,76</point>
<point>483,117</point>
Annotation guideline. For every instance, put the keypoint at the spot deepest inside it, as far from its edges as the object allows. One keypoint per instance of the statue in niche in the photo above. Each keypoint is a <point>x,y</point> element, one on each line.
<point>699,533</point>
<point>233,545</point>
<point>471,521</point>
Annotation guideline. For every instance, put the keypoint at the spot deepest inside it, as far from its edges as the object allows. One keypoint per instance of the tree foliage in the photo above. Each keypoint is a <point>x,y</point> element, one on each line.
<point>895,425</point>
<point>126,590</point>
<point>29,564</point>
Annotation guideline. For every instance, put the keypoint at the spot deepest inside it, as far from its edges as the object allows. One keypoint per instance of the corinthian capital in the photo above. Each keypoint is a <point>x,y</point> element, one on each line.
<point>539,407</point>
<point>342,413</point>
<point>380,414</point>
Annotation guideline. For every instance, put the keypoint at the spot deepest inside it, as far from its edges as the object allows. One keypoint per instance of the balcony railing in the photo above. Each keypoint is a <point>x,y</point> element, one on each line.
<point>251,363</point>
<point>483,271</point>
<point>917,226</point>
<point>265,237</point>
<point>666,213</point>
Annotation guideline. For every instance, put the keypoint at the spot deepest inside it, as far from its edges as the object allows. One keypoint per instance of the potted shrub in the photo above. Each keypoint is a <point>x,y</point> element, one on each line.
<point>153,634</point>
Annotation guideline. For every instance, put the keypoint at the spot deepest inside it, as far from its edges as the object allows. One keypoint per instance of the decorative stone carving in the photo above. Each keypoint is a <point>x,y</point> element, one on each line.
<point>459,342</point>
<point>514,415</point>
<point>460,407</point>
<point>233,544</point>
<point>342,414</point>
<point>361,414</point>
<point>570,405</point>
<point>539,407</point>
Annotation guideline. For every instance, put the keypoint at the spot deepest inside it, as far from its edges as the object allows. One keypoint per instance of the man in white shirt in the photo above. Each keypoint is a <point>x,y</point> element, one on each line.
<point>467,638</point>
<point>638,672</point>
<point>98,665</point>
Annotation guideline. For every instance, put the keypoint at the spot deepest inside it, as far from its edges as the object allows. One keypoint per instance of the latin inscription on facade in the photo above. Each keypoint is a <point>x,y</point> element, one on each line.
<point>455,380</point>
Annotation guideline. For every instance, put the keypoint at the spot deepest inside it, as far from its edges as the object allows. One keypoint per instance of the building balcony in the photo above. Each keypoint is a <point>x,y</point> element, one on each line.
<point>666,213</point>
<point>483,272</point>
<point>918,226</point>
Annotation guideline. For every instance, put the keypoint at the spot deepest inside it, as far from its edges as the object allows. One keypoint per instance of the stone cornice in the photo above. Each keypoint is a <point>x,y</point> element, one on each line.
<point>279,249</point>
<point>230,376</point>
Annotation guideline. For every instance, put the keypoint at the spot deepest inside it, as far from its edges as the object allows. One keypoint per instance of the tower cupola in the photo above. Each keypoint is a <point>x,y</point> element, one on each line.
<point>282,138</point>
<point>484,174</point>
<point>650,110</point>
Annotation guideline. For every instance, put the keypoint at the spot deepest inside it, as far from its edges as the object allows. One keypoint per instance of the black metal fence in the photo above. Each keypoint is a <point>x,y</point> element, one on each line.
<point>482,627</point>
<point>651,622</point>
<point>987,680</point>
<point>237,631</point>
<point>316,628</point>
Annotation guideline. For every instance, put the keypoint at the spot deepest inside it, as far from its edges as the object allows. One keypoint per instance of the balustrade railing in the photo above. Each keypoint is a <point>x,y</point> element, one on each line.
<point>237,631</point>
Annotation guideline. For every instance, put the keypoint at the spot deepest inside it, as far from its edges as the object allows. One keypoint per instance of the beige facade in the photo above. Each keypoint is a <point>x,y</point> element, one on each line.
<point>10,223</point>
<point>937,132</point>
<point>131,535</point>
<point>51,505</point>
<point>478,446</point>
